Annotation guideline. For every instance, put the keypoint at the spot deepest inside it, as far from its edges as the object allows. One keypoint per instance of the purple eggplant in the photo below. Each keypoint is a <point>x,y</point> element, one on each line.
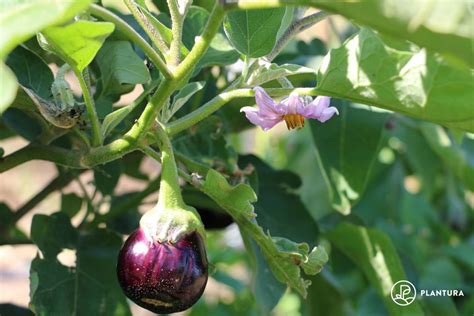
<point>163,277</point>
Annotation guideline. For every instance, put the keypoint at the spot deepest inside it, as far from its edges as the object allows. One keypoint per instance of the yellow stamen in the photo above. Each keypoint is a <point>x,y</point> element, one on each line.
<point>294,121</point>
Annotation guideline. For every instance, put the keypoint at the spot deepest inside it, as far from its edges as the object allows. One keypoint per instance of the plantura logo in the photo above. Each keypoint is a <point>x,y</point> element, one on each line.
<point>403,293</point>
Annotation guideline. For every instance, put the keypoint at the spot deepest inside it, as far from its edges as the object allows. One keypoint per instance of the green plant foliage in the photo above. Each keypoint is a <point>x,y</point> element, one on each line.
<point>254,32</point>
<point>347,148</point>
<point>440,26</point>
<point>409,81</point>
<point>77,43</point>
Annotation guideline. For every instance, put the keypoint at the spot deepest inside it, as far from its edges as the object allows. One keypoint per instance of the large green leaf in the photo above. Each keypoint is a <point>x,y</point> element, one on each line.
<point>412,82</point>
<point>374,253</point>
<point>347,146</point>
<point>254,32</point>
<point>91,288</point>
<point>19,20</point>
<point>78,43</point>
<point>439,25</point>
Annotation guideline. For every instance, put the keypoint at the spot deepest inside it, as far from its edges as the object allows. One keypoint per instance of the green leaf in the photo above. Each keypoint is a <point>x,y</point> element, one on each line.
<point>71,204</point>
<point>31,71</point>
<point>347,146</point>
<point>411,82</point>
<point>107,176</point>
<point>269,71</point>
<point>276,191</point>
<point>78,43</point>
<point>254,32</point>
<point>181,98</point>
<point>115,77</point>
<point>439,25</point>
<point>285,259</point>
<point>373,252</point>
<point>450,153</point>
<point>23,124</point>
<point>19,20</point>
<point>53,233</point>
<point>8,87</point>
<point>116,117</point>
<point>91,288</point>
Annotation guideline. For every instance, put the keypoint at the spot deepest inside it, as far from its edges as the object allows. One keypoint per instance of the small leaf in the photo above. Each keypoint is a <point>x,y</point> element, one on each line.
<point>70,204</point>
<point>107,176</point>
<point>117,79</point>
<point>182,97</point>
<point>78,43</point>
<point>254,32</point>
<point>268,72</point>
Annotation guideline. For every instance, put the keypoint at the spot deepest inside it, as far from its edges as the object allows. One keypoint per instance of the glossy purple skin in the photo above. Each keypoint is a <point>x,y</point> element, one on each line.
<point>163,278</point>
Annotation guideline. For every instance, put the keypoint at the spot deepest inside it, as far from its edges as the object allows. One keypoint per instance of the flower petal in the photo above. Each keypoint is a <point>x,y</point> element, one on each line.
<point>255,118</point>
<point>265,103</point>
<point>294,104</point>
<point>315,109</point>
<point>327,114</point>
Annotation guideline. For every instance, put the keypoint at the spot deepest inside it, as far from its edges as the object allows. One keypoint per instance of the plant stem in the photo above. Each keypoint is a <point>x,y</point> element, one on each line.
<point>217,102</point>
<point>295,28</point>
<point>90,106</point>
<point>128,31</point>
<point>147,26</point>
<point>170,190</point>
<point>60,156</point>
<point>177,20</point>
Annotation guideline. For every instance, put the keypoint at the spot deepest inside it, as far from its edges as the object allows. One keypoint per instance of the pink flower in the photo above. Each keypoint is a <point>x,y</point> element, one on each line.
<point>293,110</point>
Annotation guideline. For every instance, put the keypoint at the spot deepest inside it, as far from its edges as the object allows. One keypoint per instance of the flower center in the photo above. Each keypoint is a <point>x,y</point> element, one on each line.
<point>294,121</point>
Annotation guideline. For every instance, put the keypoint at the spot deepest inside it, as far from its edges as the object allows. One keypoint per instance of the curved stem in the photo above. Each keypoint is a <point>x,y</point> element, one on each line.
<point>127,30</point>
<point>147,26</point>
<point>170,190</point>
<point>90,106</point>
<point>295,28</point>
<point>217,102</point>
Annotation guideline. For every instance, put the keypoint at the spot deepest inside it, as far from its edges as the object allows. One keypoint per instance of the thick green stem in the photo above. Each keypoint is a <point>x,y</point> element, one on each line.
<point>147,26</point>
<point>217,102</point>
<point>90,106</point>
<point>128,31</point>
<point>170,190</point>
<point>177,20</point>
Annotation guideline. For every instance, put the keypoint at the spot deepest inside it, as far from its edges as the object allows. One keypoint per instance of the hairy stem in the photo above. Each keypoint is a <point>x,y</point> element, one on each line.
<point>295,28</point>
<point>128,31</point>
<point>177,20</point>
<point>154,35</point>
<point>90,106</point>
